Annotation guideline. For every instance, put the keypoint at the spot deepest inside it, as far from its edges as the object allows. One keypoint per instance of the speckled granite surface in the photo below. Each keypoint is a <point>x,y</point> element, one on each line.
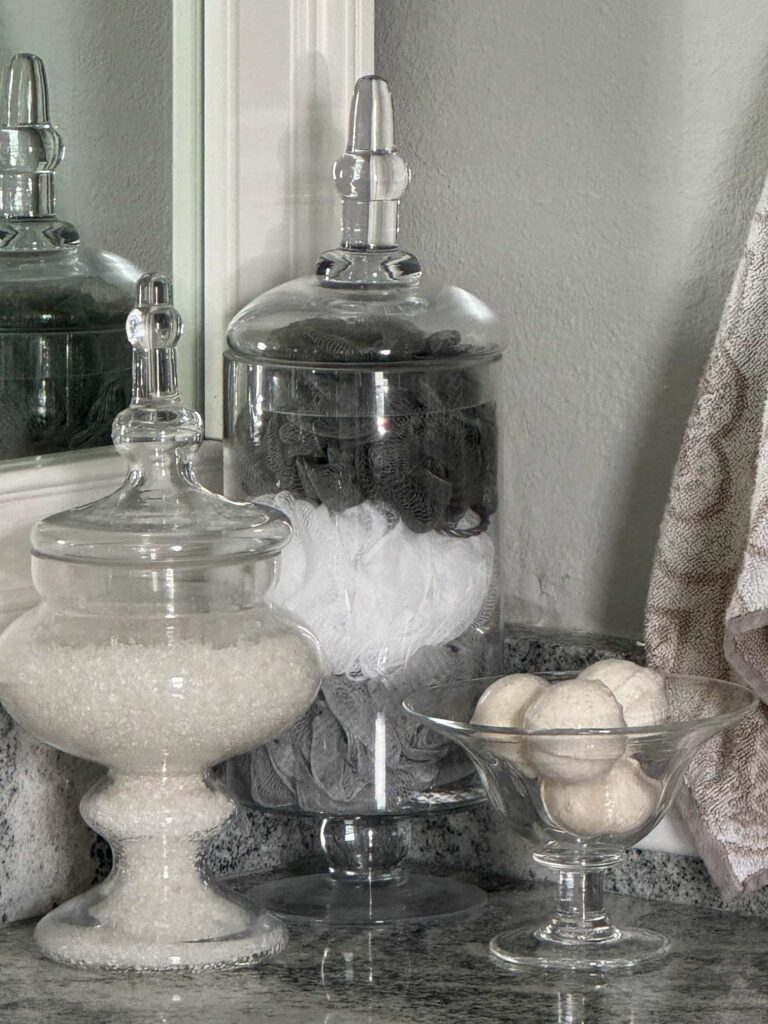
<point>46,850</point>
<point>46,854</point>
<point>717,973</point>
<point>547,650</point>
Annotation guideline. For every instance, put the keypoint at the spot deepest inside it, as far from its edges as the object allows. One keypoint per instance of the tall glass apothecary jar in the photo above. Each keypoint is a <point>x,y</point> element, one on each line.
<point>360,402</point>
<point>154,651</point>
<point>65,363</point>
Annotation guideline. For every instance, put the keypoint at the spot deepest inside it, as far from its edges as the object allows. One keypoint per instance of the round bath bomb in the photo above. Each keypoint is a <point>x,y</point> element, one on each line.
<point>617,803</point>
<point>503,704</point>
<point>574,704</point>
<point>640,691</point>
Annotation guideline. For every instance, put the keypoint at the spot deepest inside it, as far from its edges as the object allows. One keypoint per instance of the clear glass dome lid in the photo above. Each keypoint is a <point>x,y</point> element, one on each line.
<point>160,515</point>
<point>50,282</point>
<point>368,301</point>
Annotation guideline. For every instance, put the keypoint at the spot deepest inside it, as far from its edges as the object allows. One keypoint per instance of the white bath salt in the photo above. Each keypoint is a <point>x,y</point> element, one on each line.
<point>574,704</point>
<point>179,707</point>
<point>640,691</point>
<point>618,803</point>
<point>158,716</point>
<point>503,705</point>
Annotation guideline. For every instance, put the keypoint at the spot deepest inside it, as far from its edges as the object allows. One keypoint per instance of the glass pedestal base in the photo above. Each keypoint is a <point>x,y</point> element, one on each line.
<point>414,898</point>
<point>157,911</point>
<point>580,936</point>
<point>367,882</point>
<point>72,934</point>
<point>525,949</point>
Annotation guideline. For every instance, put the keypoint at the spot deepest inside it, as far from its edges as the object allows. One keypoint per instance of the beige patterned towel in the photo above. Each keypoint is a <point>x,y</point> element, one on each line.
<point>708,599</point>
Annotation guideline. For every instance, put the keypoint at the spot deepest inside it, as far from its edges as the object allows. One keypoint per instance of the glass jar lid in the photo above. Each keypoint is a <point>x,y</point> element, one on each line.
<point>160,515</point>
<point>48,280</point>
<point>368,302</point>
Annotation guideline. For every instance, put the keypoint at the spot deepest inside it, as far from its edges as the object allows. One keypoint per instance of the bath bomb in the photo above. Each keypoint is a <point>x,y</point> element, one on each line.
<point>617,803</point>
<point>640,691</point>
<point>503,704</point>
<point>574,704</point>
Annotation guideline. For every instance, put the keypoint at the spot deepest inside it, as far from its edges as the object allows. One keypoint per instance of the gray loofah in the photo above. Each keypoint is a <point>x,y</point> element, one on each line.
<point>328,760</point>
<point>435,461</point>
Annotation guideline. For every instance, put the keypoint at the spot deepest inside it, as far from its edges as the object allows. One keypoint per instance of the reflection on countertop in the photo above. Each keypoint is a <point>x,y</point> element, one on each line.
<point>717,974</point>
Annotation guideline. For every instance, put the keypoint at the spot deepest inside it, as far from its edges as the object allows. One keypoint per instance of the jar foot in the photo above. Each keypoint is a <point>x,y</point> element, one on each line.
<point>72,934</point>
<point>412,898</point>
<point>579,937</point>
<point>156,911</point>
<point>367,882</point>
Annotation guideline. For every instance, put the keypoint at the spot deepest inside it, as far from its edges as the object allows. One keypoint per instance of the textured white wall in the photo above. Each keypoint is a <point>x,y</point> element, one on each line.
<point>589,169</point>
<point>109,73</point>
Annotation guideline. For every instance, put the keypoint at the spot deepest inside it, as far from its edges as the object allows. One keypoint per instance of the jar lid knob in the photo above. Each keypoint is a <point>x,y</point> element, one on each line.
<point>30,147</point>
<point>371,176</point>
<point>156,413</point>
<point>154,322</point>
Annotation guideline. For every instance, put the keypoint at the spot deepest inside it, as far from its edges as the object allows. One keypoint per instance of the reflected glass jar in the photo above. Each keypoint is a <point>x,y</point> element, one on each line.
<point>361,403</point>
<point>65,363</point>
<point>154,651</point>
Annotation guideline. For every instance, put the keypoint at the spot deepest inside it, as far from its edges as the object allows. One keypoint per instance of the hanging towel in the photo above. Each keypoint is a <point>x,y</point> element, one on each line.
<point>707,607</point>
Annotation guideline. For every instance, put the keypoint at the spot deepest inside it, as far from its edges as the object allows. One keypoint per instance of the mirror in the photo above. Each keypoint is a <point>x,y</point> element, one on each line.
<point>120,76</point>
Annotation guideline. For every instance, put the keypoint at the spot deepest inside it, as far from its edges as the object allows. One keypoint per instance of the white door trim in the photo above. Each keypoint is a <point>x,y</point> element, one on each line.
<point>278,80</point>
<point>187,191</point>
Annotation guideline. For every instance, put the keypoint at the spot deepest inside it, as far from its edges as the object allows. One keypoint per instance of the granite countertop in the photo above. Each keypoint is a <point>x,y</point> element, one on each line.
<point>716,974</point>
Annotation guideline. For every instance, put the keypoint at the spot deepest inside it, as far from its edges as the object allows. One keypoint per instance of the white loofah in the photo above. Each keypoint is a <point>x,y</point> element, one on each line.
<point>574,704</point>
<point>503,704</point>
<point>617,803</point>
<point>371,590</point>
<point>640,691</point>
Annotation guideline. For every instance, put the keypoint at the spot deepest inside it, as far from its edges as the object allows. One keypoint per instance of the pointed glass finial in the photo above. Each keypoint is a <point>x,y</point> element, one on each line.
<point>371,176</point>
<point>153,327</point>
<point>371,117</point>
<point>30,147</point>
<point>25,102</point>
<point>153,289</point>
<point>156,413</point>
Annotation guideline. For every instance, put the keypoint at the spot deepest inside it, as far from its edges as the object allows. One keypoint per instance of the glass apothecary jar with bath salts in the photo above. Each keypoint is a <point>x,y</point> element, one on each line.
<point>65,363</point>
<point>360,402</point>
<point>154,651</point>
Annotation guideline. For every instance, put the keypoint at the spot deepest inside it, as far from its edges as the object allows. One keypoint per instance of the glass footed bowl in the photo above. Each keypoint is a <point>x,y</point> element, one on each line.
<point>582,797</point>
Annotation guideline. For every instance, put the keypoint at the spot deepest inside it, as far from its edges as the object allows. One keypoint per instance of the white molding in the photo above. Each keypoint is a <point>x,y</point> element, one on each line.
<point>187,191</point>
<point>75,472</point>
<point>221,53</point>
<point>278,80</point>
